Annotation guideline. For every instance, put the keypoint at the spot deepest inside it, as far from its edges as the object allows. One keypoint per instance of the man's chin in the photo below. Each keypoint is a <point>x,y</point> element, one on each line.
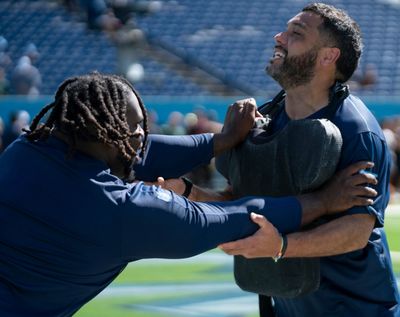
<point>271,71</point>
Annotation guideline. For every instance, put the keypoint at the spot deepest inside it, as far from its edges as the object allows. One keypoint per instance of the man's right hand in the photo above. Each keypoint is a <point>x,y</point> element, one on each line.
<point>346,189</point>
<point>239,119</point>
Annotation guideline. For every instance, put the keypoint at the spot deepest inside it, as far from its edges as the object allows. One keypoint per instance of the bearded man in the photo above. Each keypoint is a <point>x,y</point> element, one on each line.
<point>317,53</point>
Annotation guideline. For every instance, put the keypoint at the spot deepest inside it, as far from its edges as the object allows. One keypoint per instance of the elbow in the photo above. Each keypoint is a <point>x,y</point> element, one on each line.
<point>364,241</point>
<point>362,229</point>
<point>360,243</point>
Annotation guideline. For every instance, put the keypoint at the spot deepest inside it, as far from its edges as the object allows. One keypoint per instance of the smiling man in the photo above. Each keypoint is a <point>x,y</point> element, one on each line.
<point>313,57</point>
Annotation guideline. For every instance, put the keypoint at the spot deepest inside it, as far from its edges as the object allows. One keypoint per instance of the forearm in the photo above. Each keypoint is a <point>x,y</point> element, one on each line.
<point>339,236</point>
<point>223,142</point>
<point>312,207</point>
<point>173,156</point>
<point>205,194</point>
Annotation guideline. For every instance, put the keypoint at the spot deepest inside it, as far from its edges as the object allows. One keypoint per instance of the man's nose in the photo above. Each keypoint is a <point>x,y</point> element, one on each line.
<point>281,38</point>
<point>139,131</point>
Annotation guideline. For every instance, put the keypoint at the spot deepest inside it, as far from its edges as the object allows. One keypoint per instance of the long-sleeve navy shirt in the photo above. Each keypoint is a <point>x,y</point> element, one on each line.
<point>358,283</point>
<point>68,226</point>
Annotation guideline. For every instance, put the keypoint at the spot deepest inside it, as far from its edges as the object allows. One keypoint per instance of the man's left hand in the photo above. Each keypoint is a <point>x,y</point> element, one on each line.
<point>266,242</point>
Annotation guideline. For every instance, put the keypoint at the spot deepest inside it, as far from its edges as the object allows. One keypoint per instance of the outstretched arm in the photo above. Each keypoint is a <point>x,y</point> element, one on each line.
<point>346,189</point>
<point>158,223</point>
<point>174,156</point>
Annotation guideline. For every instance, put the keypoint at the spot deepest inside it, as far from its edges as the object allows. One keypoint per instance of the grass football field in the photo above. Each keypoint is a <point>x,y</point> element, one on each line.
<point>202,286</point>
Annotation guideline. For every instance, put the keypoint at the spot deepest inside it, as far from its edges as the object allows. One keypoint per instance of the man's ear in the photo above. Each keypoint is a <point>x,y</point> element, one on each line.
<point>329,55</point>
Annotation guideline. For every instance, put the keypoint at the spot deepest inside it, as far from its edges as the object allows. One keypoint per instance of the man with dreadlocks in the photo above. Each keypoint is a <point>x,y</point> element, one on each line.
<point>72,216</point>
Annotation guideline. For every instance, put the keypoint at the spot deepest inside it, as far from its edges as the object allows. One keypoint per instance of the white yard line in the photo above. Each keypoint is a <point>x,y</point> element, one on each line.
<point>395,255</point>
<point>393,210</point>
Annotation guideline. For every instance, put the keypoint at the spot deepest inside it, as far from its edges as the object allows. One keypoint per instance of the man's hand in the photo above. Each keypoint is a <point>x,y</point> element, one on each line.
<point>239,119</point>
<point>266,242</point>
<point>348,188</point>
<point>175,184</point>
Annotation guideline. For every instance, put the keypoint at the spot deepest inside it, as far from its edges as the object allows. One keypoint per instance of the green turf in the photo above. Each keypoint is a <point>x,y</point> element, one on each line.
<point>142,273</point>
<point>118,307</point>
<point>173,273</point>
<point>392,228</point>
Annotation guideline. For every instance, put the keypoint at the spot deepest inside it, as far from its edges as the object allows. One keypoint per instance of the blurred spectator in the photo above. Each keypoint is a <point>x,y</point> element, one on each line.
<point>174,125</point>
<point>202,121</point>
<point>154,127</point>
<point>5,59</point>
<point>71,5</point>
<point>4,83</point>
<point>18,121</point>
<point>190,122</point>
<point>125,10</point>
<point>364,78</point>
<point>99,16</point>
<point>26,78</point>
<point>129,45</point>
<point>201,125</point>
<point>32,52</point>
<point>391,130</point>
<point>206,122</point>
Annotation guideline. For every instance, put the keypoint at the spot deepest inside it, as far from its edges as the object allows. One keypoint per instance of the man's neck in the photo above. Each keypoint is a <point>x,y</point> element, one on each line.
<point>303,101</point>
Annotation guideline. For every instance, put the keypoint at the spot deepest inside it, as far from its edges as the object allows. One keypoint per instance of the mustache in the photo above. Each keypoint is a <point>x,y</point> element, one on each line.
<point>281,48</point>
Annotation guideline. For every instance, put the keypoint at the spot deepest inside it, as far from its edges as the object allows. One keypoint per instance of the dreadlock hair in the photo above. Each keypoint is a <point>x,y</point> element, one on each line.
<point>344,33</point>
<point>92,107</point>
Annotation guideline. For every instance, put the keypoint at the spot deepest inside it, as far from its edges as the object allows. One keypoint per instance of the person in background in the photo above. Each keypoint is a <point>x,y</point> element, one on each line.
<point>19,120</point>
<point>174,124</point>
<point>26,78</point>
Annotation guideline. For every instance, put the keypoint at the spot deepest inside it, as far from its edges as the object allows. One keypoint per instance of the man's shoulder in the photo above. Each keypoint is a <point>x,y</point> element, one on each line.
<point>353,117</point>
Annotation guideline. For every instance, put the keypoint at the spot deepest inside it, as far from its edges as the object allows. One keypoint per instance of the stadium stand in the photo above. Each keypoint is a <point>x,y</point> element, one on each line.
<point>230,42</point>
<point>236,39</point>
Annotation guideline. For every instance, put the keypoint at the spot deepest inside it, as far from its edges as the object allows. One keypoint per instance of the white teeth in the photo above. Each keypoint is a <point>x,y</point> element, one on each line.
<point>279,55</point>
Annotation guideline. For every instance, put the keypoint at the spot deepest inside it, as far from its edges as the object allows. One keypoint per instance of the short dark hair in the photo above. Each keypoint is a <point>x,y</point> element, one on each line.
<point>92,107</point>
<point>342,31</point>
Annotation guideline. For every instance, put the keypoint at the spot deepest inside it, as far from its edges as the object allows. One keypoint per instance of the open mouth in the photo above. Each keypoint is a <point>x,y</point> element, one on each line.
<point>278,55</point>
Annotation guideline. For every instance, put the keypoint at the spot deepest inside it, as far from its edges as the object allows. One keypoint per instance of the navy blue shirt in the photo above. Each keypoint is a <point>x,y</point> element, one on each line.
<point>359,283</point>
<point>68,227</point>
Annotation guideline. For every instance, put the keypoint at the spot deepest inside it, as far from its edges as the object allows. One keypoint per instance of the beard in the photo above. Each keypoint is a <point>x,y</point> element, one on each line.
<point>296,70</point>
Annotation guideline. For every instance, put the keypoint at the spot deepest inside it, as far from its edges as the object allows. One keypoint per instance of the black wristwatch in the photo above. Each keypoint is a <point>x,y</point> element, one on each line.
<point>188,186</point>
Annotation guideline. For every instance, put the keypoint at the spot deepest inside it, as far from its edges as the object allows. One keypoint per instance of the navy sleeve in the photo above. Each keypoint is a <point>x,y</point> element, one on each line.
<point>172,156</point>
<point>157,223</point>
<point>368,146</point>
